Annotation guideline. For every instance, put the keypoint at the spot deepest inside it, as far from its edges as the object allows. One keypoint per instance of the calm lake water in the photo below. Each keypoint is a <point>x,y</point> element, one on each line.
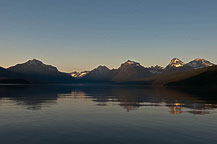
<point>106,115</point>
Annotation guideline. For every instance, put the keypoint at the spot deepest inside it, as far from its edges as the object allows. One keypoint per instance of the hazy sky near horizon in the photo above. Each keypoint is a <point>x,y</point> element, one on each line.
<point>82,34</point>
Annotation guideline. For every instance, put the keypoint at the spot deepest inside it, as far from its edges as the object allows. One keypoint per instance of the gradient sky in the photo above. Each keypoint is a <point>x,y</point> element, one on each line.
<point>82,34</point>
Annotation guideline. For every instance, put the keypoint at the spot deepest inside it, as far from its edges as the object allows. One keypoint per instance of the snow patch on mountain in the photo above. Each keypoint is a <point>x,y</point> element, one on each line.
<point>199,63</point>
<point>79,74</point>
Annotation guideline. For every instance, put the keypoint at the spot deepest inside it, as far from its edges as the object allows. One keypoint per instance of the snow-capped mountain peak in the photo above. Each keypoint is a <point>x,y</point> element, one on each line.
<point>175,62</point>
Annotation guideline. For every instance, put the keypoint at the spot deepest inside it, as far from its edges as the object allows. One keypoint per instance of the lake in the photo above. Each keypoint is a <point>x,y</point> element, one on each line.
<point>105,114</point>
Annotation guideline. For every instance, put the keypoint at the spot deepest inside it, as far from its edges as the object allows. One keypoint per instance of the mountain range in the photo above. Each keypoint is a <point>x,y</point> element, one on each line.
<point>35,71</point>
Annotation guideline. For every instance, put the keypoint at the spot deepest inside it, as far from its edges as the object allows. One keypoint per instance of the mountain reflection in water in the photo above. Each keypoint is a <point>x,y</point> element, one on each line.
<point>128,97</point>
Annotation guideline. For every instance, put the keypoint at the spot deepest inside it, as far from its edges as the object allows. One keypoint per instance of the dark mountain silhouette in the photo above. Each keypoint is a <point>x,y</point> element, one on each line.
<point>173,77</point>
<point>101,73</point>
<point>128,71</point>
<point>37,72</point>
<point>204,77</point>
<point>34,67</point>
<point>4,73</point>
<point>131,71</point>
<point>8,77</point>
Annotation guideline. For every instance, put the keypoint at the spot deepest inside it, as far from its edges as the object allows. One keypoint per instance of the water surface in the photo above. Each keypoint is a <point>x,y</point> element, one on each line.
<point>106,114</point>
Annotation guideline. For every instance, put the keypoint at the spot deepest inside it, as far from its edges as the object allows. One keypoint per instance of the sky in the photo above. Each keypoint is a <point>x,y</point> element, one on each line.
<point>77,35</point>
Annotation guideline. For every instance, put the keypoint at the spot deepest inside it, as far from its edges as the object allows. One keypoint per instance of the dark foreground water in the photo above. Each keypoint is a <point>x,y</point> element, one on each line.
<point>106,115</point>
